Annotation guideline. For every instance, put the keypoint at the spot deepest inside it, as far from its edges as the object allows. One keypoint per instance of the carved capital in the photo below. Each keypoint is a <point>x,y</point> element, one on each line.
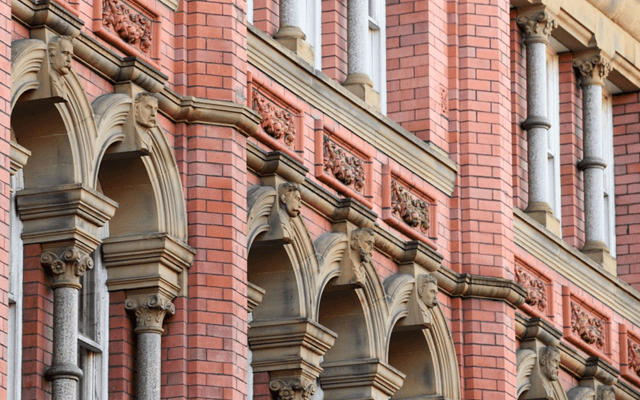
<point>67,266</point>
<point>537,27</point>
<point>593,68</point>
<point>150,312</point>
<point>292,389</point>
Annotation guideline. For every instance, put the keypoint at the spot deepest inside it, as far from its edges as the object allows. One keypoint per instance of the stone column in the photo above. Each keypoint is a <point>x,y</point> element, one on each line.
<point>67,266</point>
<point>359,54</point>
<point>537,27</point>
<point>290,34</point>
<point>150,310</point>
<point>593,69</point>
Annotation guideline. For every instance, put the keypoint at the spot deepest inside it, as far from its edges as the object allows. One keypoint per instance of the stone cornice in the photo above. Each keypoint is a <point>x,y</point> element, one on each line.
<point>427,162</point>
<point>483,287</point>
<point>576,267</point>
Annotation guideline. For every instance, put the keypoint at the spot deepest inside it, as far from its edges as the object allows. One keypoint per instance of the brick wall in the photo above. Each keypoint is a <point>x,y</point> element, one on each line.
<point>122,349</point>
<point>334,39</point>
<point>626,142</point>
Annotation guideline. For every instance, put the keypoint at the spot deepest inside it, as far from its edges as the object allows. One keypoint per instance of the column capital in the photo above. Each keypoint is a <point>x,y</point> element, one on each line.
<point>593,68</point>
<point>67,266</point>
<point>150,310</point>
<point>292,389</point>
<point>537,26</point>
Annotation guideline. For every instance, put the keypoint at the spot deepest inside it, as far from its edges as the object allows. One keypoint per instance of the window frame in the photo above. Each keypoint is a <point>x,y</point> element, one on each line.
<point>16,294</point>
<point>608,182</point>
<point>553,134</point>
<point>377,51</point>
<point>311,22</point>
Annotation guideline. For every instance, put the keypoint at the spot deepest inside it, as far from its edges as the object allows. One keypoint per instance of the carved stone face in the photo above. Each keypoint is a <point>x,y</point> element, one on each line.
<point>428,292</point>
<point>61,56</point>
<point>146,111</point>
<point>550,363</point>
<point>607,393</point>
<point>291,200</point>
<point>362,240</point>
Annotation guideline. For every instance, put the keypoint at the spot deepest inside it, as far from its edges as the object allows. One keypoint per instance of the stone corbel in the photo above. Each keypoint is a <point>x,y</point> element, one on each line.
<point>64,216</point>
<point>360,379</point>
<point>597,381</point>
<point>152,262</point>
<point>290,351</point>
<point>19,157</point>
<point>357,257</point>
<point>418,301</point>
<point>254,296</point>
<point>538,361</point>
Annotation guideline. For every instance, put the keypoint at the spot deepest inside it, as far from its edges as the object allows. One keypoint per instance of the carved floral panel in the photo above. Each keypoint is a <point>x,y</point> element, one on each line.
<point>535,287</point>
<point>633,350</point>
<point>277,122</point>
<point>131,26</point>
<point>588,327</point>
<point>345,167</point>
<point>412,210</point>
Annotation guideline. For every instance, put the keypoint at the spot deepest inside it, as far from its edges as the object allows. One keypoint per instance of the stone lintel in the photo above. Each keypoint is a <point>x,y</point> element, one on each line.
<point>289,349</point>
<point>63,214</point>
<point>147,262</point>
<point>360,379</point>
<point>150,308</point>
<point>19,157</point>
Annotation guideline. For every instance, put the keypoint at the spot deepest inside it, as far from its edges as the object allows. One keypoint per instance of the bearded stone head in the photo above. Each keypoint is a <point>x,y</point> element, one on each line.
<point>289,194</point>
<point>146,107</point>
<point>61,54</point>
<point>606,393</point>
<point>550,362</point>
<point>362,241</point>
<point>428,290</point>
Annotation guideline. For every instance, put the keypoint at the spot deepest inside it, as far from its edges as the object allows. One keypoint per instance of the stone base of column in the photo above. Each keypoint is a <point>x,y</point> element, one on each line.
<point>293,39</point>
<point>542,213</point>
<point>599,252</point>
<point>362,86</point>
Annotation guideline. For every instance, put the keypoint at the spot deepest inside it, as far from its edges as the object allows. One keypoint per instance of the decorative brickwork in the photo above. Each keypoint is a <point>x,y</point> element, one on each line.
<point>276,121</point>
<point>347,168</point>
<point>589,327</point>
<point>535,287</point>
<point>413,211</point>
<point>131,26</point>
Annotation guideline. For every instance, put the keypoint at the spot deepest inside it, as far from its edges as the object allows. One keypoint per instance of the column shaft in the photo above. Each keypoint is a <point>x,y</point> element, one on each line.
<point>64,370</point>
<point>357,37</point>
<point>594,172</point>
<point>290,13</point>
<point>148,360</point>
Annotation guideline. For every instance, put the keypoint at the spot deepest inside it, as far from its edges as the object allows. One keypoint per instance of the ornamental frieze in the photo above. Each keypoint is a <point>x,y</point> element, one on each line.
<point>132,27</point>
<point>347,168</point>
<point>535,287</point>
<point>413,211</point>
<point>277,122</point>
<point>589,327</point>
<point>634,356</point>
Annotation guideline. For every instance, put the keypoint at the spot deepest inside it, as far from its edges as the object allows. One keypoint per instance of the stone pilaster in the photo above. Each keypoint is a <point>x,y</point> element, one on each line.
<point>67,266</point>
<point>358,81</point>
<point>290,34</point>
<point>593,69</point>
<point>150,310</point>
<point>537,27</point>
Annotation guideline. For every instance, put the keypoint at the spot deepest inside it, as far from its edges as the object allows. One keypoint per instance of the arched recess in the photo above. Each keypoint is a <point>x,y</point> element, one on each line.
<point>420,344</point>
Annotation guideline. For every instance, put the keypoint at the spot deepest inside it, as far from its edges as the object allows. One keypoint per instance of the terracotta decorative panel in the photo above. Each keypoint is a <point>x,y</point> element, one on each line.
<point>407,208</point>
<point>282,123</point>
<point>629,355</point>
<point>341,165</point>
<point>131,26</point>
<point>539,296</point>
<point>585,326</point>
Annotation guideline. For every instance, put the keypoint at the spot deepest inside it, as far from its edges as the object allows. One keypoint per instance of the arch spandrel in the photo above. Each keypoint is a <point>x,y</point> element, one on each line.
<point>27,56</point>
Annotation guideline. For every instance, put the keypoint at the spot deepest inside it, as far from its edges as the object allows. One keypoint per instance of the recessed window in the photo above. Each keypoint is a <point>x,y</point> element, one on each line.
<point>553,135</point>
<point>15,294</point>
<point>377,51</point>
<point>609,181</point>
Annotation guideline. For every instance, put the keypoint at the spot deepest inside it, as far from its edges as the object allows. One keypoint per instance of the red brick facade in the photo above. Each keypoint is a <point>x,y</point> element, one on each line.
<point>440,182</point>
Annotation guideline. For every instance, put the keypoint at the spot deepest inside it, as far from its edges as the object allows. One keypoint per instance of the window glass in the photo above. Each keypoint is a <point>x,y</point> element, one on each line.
<point>609,182</point>
<point>16,255</point>
<point>553,143</point>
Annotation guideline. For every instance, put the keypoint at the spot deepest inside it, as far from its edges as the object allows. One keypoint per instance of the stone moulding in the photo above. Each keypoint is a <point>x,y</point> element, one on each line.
<point>586,327</point>
<point>341,166</point>
<point>629,355</point>
<point>408,209</point>
<point>282,124</point>
<point>539,300</point>
<point>132,27</point>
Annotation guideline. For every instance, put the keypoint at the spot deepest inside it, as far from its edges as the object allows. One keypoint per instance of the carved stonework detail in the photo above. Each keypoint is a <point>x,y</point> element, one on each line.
<point>146,111</point>
<point>278,123</point>
<point>428,290</point>
<point>150,312</point>
<point>60,56</point>
<point>67,267</point>
<point>346,168</point>
<point>634,356</point>
<point>292,389</point>
<point>132,27</point>
<point>537,26</point>
<point>587,326</point>
<point>413,211</point>
<point>606,392</point>
<point>593,69</point>
<point>550,362</point>
<point>444,100</point>
<point>535,287</point>
<point>362,242</point>
<point>290,199</point>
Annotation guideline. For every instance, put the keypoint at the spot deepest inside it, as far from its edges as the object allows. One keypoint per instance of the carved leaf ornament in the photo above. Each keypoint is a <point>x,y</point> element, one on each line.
<point>278,123</point>
<point>414,212</point>
<point>346,168</point>
<point>588,327</point>
<point>634,356</point>
<point>535,287</point>
<point>133,28</point>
